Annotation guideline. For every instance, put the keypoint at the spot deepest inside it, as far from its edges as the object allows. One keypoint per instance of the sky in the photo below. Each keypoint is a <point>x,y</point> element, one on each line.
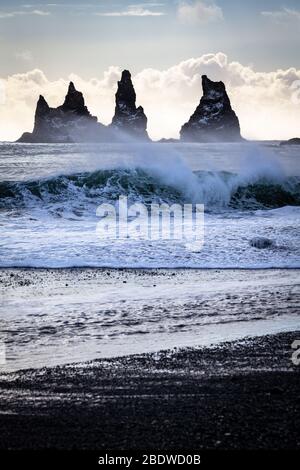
<point>167,45</point>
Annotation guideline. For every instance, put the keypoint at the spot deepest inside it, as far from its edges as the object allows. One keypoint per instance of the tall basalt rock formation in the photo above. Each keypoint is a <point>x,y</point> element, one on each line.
<point>71,122</point>
<point>128,119</point>
<point>214,119</point>
<point>74,101</point>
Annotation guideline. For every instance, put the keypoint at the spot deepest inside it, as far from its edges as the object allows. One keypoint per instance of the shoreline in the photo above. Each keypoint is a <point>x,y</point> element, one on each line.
<point>49,316</point>
<point>237,395</point>
<point>147,269</point>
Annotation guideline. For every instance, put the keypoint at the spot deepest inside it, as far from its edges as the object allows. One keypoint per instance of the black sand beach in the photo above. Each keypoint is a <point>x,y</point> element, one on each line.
<point>239,395</point>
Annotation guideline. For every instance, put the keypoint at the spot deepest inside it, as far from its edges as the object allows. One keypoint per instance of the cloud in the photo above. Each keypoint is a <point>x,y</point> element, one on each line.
<point>62,5</point>
<point>132,11</point>
<point>146,5</point>
<point>263,100</point>
<point>40,13</point>
<point>13,14</point>
<point>283,15</point>
<point>199,12</point>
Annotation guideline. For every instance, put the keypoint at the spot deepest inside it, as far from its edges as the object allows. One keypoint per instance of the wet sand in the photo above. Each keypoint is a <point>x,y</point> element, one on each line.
<point>238,395</point>
<point>56,316</point>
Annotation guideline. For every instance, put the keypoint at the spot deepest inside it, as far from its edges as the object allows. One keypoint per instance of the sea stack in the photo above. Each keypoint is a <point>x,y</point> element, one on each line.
<point>214,119</point>
<point>294,141</point>
<point>128,120</point>
<point>69,123</point>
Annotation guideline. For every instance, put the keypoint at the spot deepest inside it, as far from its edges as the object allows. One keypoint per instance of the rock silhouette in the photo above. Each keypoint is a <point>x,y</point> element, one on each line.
<point>294,141</point>
<point>128,118</point>
<point>71,122</point>
<point>213,120</point>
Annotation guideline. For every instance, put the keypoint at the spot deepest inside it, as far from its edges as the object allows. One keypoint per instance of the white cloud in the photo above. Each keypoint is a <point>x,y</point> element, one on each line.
<point>283,15</point>
<point>61,5</point>
<point>263,100</point>
<point>146,5</point>
<point>13,14</point>
<point>132,10</point>
<point>199,12</point>
<point>40,13</point>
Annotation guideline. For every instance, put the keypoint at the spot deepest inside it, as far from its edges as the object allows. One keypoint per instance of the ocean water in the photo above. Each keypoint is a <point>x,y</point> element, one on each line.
<point>49,195</point>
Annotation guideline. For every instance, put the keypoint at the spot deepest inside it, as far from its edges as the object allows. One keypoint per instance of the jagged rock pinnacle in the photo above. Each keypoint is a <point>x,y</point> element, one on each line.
<point>42,104</point>
<point>125,95</point>
<point>70,122</point>
<point>72,88</point>
<point>214,120</point>
<point>74,101</point>
<point>129,119</point>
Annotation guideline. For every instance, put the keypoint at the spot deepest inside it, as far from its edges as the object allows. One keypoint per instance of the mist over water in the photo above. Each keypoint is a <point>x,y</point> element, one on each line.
<point>49,195</point>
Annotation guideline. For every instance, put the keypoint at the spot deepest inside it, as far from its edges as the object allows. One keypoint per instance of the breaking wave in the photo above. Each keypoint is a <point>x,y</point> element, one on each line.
<point>217,190</point>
